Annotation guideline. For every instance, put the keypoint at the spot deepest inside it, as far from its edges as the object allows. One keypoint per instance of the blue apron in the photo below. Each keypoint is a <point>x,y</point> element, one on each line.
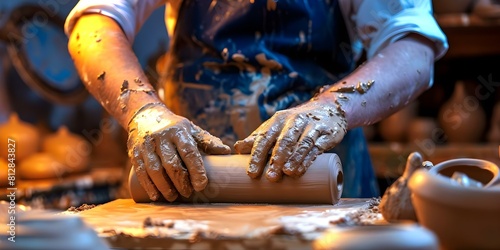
<point>233,64</point>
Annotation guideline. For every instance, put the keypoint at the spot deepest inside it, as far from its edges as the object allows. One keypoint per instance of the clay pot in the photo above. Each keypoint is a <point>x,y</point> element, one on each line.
<point>463,217</point>
<point>394,128</point>
<point>4,169</point>
<point>494,132</point>
<point>488,9</point>
<point>392,236</point>
<point>40,166</point>
<point>462,117</point>
<point>69,149</point>
<point>25,135</point>
<point>421,128</point>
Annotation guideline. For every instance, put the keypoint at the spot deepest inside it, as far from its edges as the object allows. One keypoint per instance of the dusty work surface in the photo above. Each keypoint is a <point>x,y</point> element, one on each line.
<point>126,224</point>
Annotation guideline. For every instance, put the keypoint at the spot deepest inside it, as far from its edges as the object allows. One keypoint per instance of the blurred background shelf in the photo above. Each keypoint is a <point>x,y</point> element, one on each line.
<point>470,35</point>
<point>99,185</point>
<point>389,158</point>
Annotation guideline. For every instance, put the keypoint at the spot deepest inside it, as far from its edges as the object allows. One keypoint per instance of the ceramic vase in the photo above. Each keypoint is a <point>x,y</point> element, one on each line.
<point>394,128</point>
<point>462,118</point>
<point>494,130</point>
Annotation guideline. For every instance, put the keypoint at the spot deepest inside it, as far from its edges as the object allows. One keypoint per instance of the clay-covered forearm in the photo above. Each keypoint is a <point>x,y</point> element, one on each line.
<point>385,83</point>
<point>109,68</point>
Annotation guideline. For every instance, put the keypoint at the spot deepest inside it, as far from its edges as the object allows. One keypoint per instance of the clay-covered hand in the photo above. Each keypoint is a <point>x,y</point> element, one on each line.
<point>164,149</point>
<point>295,136</point>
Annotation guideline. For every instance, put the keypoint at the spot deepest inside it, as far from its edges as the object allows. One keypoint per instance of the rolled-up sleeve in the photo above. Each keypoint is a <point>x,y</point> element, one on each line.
<point>378,23</point>
<point>129,14</point>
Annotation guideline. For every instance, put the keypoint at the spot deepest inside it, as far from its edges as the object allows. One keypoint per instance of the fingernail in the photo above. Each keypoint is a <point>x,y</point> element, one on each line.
<point>301,169</point>
<point>200,184</point>
<point>271,175</point>
<point>172,198</point>
<point>252,169</point>
<point>287,167</point>
<point>153,196</point>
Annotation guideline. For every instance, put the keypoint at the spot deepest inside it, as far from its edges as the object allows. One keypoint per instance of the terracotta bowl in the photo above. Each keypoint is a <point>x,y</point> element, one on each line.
<point>462,217</point>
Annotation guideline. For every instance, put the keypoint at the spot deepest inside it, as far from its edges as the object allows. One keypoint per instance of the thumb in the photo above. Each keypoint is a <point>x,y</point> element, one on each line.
<point>245,146</point>
<point>209,143</point>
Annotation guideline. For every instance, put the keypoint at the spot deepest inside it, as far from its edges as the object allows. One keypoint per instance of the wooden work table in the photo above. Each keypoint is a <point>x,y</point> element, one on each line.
<point>126,224</point>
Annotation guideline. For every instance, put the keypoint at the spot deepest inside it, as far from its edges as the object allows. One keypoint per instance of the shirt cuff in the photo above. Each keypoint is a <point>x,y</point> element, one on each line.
<point>409,21</point>
<point>121,11</point>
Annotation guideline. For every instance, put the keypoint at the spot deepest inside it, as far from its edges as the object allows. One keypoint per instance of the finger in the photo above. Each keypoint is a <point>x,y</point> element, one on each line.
<point>283,148</point>
<point>132,141</point>
<point>188,151</point>
<point>260,150</point>
<point>209,143</point>
<point>245,146</point>
<point>156,171</point>
<point>307,162</point>
<point>329,138</point>
<point>139,168</point>
<point>142,175</point>
<point>305,144</point>
<point>173,166</point>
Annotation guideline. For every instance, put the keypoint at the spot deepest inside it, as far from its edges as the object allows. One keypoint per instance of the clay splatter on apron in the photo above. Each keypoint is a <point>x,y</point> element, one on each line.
<point>228,74</point>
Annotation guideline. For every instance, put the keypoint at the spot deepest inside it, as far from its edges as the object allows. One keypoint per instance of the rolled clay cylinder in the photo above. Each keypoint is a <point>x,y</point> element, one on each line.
<point>228,183</point>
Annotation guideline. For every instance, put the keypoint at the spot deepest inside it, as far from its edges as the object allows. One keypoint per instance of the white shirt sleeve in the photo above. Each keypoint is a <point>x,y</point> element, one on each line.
<point>129,14</point>
<point>374,24</point>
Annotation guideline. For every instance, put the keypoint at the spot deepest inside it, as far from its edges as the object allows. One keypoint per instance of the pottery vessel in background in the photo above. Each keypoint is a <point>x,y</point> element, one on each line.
<point>462,117</point>
<point>20,136</point>
<point>422,128</point>
<point>494,130</point>
<point>69,149</point>
<point>41,165</point>
<point>394,128</point>
<point>4,173</point>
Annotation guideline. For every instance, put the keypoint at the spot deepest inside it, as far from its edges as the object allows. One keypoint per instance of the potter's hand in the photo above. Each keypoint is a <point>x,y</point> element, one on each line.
<point>296,136</point>
<point>164,149</point>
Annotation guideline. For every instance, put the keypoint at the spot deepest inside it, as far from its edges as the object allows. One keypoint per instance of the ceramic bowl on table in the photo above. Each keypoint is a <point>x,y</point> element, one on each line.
<point>462,216</point>
<point>374,237</point>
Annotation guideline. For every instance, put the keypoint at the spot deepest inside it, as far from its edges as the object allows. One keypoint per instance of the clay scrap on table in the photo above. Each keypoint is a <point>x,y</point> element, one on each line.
<point>126,223</point>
